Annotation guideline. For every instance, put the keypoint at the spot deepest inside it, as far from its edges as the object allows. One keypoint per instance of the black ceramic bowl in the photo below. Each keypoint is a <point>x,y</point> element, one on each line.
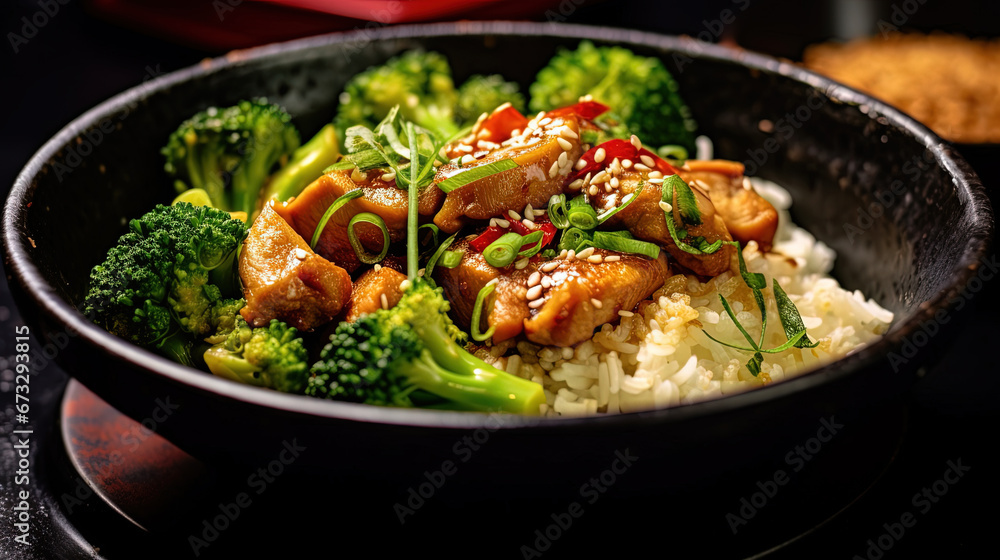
<point>838,151</point>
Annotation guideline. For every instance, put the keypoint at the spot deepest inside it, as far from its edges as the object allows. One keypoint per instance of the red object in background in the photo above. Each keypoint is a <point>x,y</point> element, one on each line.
<point>221,25</point>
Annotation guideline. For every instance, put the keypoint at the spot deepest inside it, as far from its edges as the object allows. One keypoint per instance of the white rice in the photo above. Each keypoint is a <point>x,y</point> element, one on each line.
<point>661,357</point>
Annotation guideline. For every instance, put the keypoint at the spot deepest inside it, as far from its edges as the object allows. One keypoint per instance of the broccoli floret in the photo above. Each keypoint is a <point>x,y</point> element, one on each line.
<point>307,164</point>
<point>171,273</point>
<point>386,356</point>
<point>481,94</point>
<point>642,95</point>
<point>272,357</point>
<point>418,81</point>
<point>230,152</point>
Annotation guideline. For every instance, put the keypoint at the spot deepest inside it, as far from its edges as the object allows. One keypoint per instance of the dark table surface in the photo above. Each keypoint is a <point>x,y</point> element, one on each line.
<point>76,61</point>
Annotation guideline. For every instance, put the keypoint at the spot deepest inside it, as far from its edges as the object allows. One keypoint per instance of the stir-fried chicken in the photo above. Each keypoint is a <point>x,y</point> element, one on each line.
<point>747,215</point>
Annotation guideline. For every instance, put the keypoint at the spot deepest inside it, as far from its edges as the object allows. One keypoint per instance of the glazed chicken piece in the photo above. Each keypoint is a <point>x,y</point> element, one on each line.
<point>284,279</point>
<point>545,154</point>
<point>585,295</point>
<point>366,297</point>
<point>382,198</point>
<point>644,219</point>
<point>578,296</point>
<point>746,214</point>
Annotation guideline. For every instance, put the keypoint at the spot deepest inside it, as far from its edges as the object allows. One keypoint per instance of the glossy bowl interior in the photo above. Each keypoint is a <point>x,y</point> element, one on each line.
<point>836,150</point>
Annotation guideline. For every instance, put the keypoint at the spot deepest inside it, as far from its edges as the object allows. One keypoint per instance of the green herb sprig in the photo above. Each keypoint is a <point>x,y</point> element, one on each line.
<point>687,208</point>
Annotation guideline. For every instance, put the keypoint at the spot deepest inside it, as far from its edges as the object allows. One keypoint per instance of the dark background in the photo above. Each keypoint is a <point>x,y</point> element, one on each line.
<point>83,55</point>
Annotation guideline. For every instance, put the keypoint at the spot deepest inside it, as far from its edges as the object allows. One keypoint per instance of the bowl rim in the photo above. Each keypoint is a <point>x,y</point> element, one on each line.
<point>42,295</point>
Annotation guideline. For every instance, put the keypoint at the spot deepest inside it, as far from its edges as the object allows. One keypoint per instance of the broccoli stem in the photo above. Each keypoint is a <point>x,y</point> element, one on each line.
<point>223,363</point>
<point>478,388</point>
<point>307,163</point>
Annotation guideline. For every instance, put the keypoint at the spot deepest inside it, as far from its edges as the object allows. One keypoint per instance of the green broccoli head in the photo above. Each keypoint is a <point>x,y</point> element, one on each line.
<point>273,356</point>
<point>230,152</point>
<point>157,279</point>
<point>481,94</point>
<point>392,355</point>
<point>642,94</point>
<point>418,81</point>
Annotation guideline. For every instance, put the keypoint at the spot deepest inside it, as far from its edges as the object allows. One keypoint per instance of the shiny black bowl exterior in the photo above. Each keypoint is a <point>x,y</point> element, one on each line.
<point>907,216</point>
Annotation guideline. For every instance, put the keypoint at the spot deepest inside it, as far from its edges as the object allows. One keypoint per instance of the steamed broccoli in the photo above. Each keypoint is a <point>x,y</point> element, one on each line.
<point>230,152</point>
<point>419,82</point>
<point>481,94</point>
<point>306,165</point>
<point>385,356</point>
<point>642,95</point>
<point>272,357</point>
<point>171,274</point>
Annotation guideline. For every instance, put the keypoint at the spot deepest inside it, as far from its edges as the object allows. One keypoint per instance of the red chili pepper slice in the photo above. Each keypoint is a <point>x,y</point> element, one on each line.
<point>548,230</point>
<point>491,234</point>
<point>621,149</point>
<point>499,124</point>
<point>588,110</point>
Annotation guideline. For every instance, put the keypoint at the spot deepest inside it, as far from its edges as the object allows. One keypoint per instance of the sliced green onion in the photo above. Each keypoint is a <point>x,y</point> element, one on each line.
<point>535,237</point>
<point>630,199</point>
<point>359,250</point>
<point>573,238</point>
<point>477,313</point>
<point>687,203</point>
<point>339,166</point>
<point>673,152</point>
<point>434,232</point>
<point>580,214</point>
<point>668,197</point>
<point>504,250</point>
<point>412,198</point>
<point>437,255</point>
<point>330,211</point>
<point>604,240</point>
<point>557,211</point>
<point>549,253</point>
<point>451,259</point>
<point>473,174</point>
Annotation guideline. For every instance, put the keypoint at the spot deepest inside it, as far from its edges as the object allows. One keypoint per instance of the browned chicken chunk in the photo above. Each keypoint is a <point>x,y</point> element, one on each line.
<point>577,297</point>
<point>644,219</point>
<point>382,198</point>
<point>746,214</point>
<point>541,172</point>
<point>369,289</point>
<point>284,279</point>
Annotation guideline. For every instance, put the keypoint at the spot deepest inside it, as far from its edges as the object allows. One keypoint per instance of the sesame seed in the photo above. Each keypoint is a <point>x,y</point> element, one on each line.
<point>464,148</point>
<point>493,282</point>
<point>564,143</point>
<point>534,279</point>
<point>612,258</point>
<point>614,182</point>
<point>358,176</point>
<point>385,301</point>
<point>534,292</point>
<point>482,133</point>
<point>548,267</point>
<point>377,267</point>
<point>587,97</point>
<point>468,158</point>
<point>536,303</point>
<point>642,167</point>
<point>600,177</point>
<point>563,159</point>
<point>562,254</point>
<point>596,259</point>
<point>580,164</point>
<point>585,253</point>
<point>514,215</point>
<point>570,255</point>
<point>593,190</point>
<point>587,178</point>
<point>301,254</point>
<point>626,163</point>
<point>540,115</point>
<point>655,175</point>
<point>599,155</point>
<point>665,206</point>
<point>655,180</point>
<point>576,184</point>
<point>521,264</point>
<point>559,276</point>
<point>701,184</point>
<point>404,285</point>
<point>546,282</point>
<point>482,118</point>
<point>623,313</point>
<point>515,132</point>
<point>544,121</point>
<point>567,132</point>
<point>502,107</point>
<point>389,176</point>
<point>636,142</point>
<point>627,197</point>
<point>594,301</point>
<point>493,222</point>
<point>528,223</point>
<point>421,272</point>
<point>502,223</point>
<point>646,160</point>
<point>529,212</point>
<point>554,170</point>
